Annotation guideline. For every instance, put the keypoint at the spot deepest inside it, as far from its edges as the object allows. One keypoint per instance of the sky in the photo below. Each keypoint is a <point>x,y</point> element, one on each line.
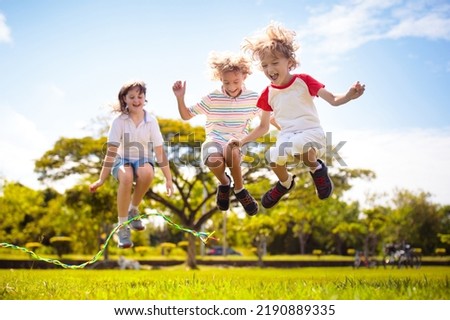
<point>62,64</point>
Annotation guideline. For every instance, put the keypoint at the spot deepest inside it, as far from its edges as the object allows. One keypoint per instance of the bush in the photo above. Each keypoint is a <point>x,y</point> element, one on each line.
<point>317,252</point>
<point>142,250</point>
<point>183,245</point>
<point>61,245</point>
<point>166,248</point>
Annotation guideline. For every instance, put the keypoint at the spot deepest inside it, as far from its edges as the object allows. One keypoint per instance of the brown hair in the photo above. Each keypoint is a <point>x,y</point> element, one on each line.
<point>121,106</point>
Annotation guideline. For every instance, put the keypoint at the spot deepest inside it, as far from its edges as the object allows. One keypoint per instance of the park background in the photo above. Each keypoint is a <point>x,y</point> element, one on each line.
<point>62,64</point>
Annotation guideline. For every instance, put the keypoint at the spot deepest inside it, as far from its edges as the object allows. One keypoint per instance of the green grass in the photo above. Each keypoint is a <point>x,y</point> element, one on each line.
<point>426,283</point>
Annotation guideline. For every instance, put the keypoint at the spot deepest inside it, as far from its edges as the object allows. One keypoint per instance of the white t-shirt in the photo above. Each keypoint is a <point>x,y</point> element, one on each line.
<point>292,104</point>
<point>135,142</point>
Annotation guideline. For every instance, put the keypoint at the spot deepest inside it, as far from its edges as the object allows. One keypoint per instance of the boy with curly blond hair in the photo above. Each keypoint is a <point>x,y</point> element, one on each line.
<point>229,112</point>
<point>289,97</point>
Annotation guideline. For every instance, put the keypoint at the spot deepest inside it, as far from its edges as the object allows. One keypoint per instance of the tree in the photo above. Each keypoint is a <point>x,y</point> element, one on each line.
<point>415,220</point>
<point>23,210</point>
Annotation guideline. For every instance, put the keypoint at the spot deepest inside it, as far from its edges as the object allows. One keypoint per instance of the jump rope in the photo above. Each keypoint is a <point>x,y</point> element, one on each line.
<point>203,236</point>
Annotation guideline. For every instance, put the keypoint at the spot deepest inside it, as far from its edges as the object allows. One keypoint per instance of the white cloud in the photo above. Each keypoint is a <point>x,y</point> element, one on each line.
<point>351,24</point>
<point>415,159</point>
<point>5,32</point>
<point>21,144</point>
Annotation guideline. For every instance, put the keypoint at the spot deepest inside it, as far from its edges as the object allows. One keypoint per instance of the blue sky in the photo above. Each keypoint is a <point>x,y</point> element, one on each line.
<point>63,62</point>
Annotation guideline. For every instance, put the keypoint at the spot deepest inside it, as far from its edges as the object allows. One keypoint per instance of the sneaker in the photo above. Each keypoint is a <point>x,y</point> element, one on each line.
<point>324,185</point>
<point>135,224</point>
<point>124,234</point>
<point>223,196</point>
<point>271,197</point>
<point>248,202</point>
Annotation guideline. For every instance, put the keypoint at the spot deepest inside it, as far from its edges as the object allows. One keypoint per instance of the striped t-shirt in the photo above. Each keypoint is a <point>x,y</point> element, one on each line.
<point>226,117</point>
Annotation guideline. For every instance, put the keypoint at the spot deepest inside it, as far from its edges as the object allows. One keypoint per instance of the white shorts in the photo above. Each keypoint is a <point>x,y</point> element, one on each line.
<point>290,144</point>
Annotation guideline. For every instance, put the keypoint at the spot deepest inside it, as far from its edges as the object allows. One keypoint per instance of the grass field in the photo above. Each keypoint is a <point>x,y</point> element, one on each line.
<point>426,283</point>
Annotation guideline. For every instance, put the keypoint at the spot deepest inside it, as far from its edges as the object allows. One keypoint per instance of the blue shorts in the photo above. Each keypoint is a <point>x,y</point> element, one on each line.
<point>135,164</point>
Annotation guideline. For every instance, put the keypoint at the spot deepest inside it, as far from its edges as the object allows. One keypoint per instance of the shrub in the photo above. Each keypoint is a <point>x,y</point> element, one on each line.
<point>317,252</point>
<point>166,248</point>
<point>61,244</point>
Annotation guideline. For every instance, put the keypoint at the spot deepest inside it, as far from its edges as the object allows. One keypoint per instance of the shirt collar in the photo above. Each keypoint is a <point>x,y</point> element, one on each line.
<point>127,116</point>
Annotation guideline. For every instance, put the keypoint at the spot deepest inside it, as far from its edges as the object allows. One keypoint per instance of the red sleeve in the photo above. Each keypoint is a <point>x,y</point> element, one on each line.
<point>313,85</point>
<point>263,101</point>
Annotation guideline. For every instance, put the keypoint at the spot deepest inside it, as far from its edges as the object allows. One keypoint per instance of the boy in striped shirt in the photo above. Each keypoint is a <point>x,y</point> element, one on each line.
<point>228,112</point>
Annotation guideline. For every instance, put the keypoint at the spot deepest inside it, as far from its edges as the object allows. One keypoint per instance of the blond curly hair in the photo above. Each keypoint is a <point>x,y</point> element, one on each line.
<point>221,62</point>
<point>276,40</point>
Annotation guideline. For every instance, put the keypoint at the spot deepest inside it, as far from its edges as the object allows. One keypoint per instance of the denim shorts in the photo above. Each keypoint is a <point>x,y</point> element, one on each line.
<point>135,164</point>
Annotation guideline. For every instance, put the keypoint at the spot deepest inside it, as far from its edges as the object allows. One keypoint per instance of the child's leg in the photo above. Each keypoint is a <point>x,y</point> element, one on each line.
<point>280,171</point>
<point>212,156</point>
<point>233,161</point>
<point>144,178</point>
<point>278,157</point>
<point>310,144</point>
<point>216,164</point>
<point>319,173</point>
<point>310,160</point>
<point>125,177</point>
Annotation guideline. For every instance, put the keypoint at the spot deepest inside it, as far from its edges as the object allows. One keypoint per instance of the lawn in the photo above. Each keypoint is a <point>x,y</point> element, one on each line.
<point>212,283</point>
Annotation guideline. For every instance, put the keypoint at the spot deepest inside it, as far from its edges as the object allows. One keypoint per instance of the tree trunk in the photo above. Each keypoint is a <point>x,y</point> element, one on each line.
<point>302,243</point>
<point>261,250</point>
<point>191,261</point>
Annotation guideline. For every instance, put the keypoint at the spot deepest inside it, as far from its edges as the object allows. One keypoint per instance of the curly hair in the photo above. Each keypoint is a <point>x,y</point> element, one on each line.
<point>274,39</point>
<point>221,62</point>
<point>120,105</point>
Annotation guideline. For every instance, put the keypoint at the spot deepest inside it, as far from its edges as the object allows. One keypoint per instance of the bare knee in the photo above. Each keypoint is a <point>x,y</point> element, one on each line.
<point>145,174</point>
<point>215,160</point>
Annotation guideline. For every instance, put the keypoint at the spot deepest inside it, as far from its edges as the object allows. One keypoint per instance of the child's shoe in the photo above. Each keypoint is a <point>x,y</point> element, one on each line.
<point>274,195</point>
<point>135,224</point>
<point>223,196</point>
<point>324,185</point>
<point>248,202</point>
<point>124,234</point>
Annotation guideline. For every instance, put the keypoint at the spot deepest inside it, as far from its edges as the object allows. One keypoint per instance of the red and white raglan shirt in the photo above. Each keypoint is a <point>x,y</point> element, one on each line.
<point>294,110</point>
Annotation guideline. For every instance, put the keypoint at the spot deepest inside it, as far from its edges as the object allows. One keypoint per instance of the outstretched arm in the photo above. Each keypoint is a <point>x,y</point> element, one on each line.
<point>179,89</point>
<point>354,92</point>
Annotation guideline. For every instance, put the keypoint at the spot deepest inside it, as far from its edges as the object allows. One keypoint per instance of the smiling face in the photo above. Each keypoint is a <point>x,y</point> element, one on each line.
<point>276,67</point>
<point>134,99</point>
<point>232,82</point>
